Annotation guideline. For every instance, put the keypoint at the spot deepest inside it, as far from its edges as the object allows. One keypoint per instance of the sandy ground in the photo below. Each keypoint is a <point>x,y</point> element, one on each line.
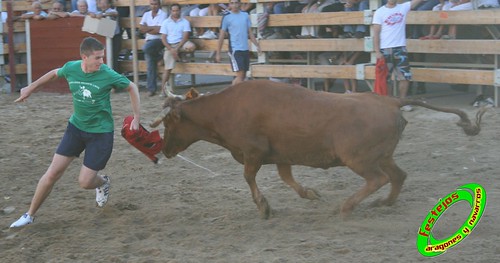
<point>178,212</point>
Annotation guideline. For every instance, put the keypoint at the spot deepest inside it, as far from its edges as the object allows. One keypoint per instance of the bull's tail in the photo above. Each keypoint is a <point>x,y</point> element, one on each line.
<point>465,123</point>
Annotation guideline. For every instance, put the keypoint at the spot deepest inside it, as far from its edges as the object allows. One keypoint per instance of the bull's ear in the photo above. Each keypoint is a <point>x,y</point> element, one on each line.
<point>191,94</point>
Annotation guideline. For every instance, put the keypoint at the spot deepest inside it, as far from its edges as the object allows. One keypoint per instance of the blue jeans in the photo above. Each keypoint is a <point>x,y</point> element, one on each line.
<point>152,52</point>
<point>363,5</point>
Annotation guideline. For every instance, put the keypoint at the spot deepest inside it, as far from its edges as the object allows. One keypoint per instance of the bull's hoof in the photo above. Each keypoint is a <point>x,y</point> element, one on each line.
<point>265,212</point>
<point>264,209</point>
<point>344,215</point>
<point>345,212</point>
<point>311,194</point>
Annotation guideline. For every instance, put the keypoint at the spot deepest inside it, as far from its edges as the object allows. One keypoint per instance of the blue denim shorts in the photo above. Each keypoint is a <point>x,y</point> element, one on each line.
<point>97,146</point>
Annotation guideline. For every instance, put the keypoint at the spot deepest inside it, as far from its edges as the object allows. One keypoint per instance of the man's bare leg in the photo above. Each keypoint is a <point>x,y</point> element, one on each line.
<point>47,181</point>
<point>240,77</point>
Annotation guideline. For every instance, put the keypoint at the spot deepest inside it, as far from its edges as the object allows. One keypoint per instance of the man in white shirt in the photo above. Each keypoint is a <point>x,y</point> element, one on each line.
<point>389,41</point>
<point>175,32</point>
<point>150,25</point>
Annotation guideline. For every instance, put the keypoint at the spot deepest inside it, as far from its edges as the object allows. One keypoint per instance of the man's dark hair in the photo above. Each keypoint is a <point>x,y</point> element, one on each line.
<point>175,4</point>
<point>89,45</point>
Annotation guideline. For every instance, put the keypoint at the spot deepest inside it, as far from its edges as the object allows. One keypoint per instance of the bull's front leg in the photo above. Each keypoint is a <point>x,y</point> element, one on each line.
<point>285,172</point>
<point>251,170</point>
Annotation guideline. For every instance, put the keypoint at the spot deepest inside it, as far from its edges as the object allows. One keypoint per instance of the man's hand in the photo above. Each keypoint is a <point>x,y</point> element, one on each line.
<point>175,53</point>
<point>24,94</point>
<point>135,124</point>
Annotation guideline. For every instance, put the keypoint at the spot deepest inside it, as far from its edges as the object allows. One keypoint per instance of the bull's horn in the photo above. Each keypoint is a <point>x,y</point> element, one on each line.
<point>170,94</point>
<point>160,117</point>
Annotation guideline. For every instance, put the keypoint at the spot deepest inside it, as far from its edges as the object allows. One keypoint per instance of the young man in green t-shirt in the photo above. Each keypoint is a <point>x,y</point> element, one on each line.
<point>90,127</point>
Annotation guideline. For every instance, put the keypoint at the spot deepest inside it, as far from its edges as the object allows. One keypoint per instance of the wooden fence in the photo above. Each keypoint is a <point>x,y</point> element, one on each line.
<point>475,71</point>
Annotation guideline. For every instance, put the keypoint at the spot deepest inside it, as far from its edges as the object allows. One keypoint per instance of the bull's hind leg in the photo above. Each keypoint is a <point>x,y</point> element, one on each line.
<point>285,172</point>
<point>396,177</point>
<point>259,199</point>
<point>375,178</point>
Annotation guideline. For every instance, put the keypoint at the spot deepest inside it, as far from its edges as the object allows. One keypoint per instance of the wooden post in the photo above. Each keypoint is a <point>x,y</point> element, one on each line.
<point>134,42</point>
<point>12,65</point>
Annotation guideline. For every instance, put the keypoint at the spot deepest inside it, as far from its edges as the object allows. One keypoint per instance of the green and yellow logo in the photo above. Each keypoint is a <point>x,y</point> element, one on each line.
<point>473,193</point>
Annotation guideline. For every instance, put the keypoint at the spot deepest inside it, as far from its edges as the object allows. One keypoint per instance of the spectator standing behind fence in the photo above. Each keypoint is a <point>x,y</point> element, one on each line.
<point>237,25</point>
<point>389,41</point>
<point>150,25</point>
<point>91,5</point>
<point>82,9</point>
<point>36,12</point>
<point>175,32</point>
<point>57,11</point>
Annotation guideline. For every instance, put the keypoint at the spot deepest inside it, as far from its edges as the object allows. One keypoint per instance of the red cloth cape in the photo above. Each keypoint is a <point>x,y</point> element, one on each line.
<point>149,143</point>
<point>381,72</point>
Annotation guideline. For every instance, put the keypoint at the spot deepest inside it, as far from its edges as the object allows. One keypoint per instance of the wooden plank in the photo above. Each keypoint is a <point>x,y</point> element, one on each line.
<point>455,76</point>
<point>210,45</point>
<point>195,21</point>
<point>452,65</point>
<point>125,22</point>
<point>437,75</point>
<point>127,66</point>
<point>136,2</point>
<point>223,69</point>
<point>317,44</point>
<point>127,43</point>
<point>457,46</point>
<point>300,71</point>
<point>20,69</point>
<point>476,17</point>
<point>327,18</point>
<point>18,48</point>
<point>205,21</point>
<point>25,5</point>
<point>201,44</point>
<point>18,27</point>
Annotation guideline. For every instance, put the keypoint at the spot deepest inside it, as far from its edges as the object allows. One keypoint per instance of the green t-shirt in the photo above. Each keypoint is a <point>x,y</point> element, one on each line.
<point>91,95</point>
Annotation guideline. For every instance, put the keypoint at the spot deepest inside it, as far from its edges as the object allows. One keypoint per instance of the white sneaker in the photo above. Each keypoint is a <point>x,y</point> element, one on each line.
<point>209,34</point>
<point>102,192</point>
<point>407,108</point>
<point>23,221</point>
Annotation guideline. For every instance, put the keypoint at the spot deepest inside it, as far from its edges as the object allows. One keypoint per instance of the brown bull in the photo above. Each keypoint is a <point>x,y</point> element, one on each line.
<point>263,122</point>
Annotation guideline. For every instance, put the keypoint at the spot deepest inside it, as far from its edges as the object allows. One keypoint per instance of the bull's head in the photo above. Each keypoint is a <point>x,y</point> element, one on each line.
<point>171,117</point>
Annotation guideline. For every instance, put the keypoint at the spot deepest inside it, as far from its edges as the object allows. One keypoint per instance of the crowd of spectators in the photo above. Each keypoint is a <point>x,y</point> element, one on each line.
<point>104,8</point>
